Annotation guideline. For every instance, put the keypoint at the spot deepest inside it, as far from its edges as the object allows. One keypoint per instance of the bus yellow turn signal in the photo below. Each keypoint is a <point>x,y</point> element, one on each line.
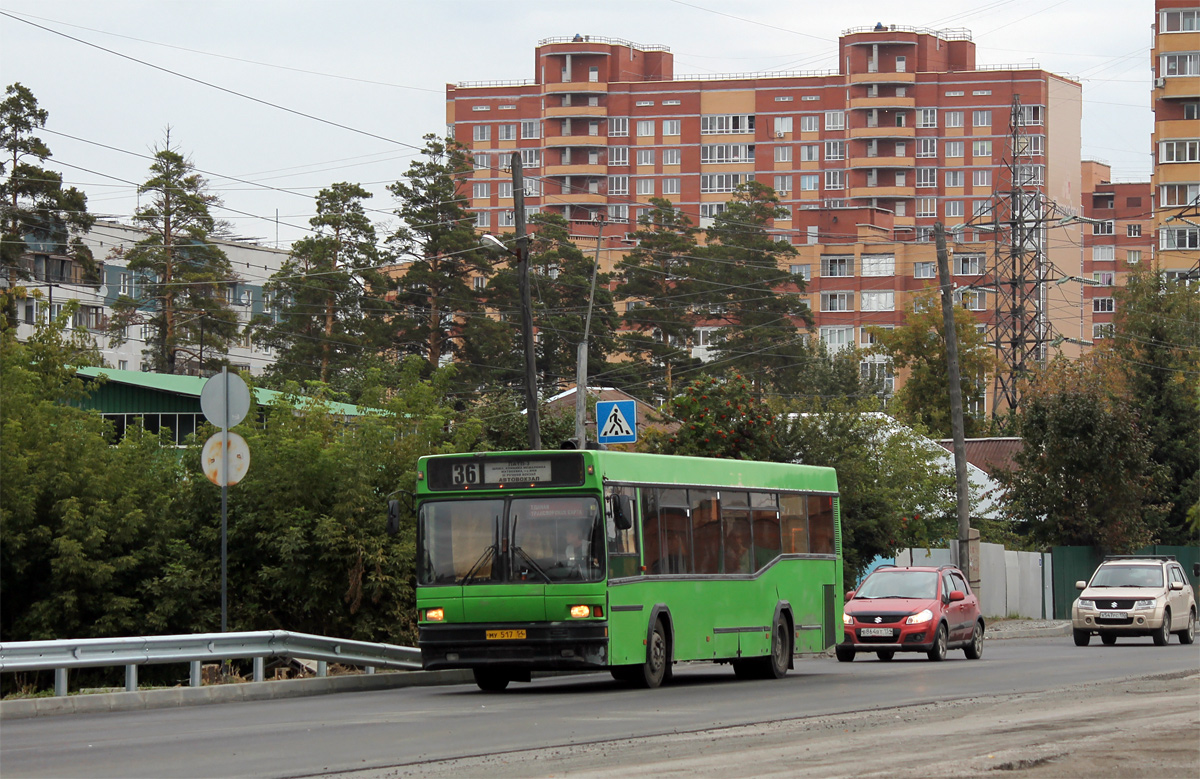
<point>435,615</point>
<point>579,612</point>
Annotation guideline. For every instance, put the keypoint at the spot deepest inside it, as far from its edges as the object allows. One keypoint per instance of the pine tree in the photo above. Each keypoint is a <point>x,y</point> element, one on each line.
<point>35,209</point>
<point>185,279</point>
<point>327,296</point>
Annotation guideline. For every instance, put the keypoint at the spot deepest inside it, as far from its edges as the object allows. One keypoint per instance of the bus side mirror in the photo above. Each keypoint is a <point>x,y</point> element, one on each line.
<point>393,517</point>
<point>622,509</point>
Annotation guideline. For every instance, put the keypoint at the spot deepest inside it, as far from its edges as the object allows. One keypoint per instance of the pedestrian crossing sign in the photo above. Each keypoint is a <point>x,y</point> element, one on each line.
<point>616,421</point>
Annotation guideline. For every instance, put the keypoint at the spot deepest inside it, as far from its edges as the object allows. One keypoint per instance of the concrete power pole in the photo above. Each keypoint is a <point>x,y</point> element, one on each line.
<point>531,392</point>
<point>956,407</point>
<point>581,356</point>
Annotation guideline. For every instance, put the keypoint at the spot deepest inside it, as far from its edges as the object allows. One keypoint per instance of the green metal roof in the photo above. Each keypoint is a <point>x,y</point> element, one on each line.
<point>190,387</point>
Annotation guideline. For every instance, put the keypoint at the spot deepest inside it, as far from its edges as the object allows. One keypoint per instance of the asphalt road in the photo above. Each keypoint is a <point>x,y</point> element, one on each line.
<point>408,727</point>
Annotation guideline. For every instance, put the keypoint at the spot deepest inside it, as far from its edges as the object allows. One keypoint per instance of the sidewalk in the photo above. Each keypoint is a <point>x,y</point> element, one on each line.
<point>1027,628</point>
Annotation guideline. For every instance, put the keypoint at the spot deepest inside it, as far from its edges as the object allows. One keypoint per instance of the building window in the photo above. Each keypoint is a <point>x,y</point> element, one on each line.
<point>1133,256</point>
<point>481,162</point>
<point>878,370</point>
<point>835,120</point>
<point>969,264</point>
<point>954,148</point>
<point>670,186</point>
<point>506,132</point>
<point>878,265</point>
<point>783,184</point>
<point>726,124</point>
<point>671,127</point>
<point>835,150</point>
<point>810,153</point>
<point>645,157</point>
<point>971,299</point>
<point>506,219</point>
<point>1102,228</point>
<point>809,182</point>
<point>1180,21</point>
<point>726,152</point>
<point>481,218</point>
<point>720,182</point>
<point>981,118</point>
<point>810,123</point>
<point>981,178</point>
<point>1179,64</point>
<point>981,207</point>
<point>837,338</point>
<point>618,185</point>
<point>1031,115</point>
<point>531,158</point>
<point>1179,238</point>
<point>981,148</point>
<point>837,266</point>
<point>878,301</point>
<point>927,117</point>
<point>803,271</point>
<point>618,156</point>
<point>481,190</point>
<point>531,128</point>
<point>504,190</point>
<point>927,147</point>
<point>122,365</point>
<point>953,209</point>
<point>955,178</point>
<point>1031,174</point>
<point>783,153</point>
<point>1179,151</point>
<point>1104,253</point>
<point>645,128</point>
<point>670,157</point>
<point>925,270</point>
<point>1104,278</point>
<point>834,179</point>
<point>1102,305</point>
<point>618,213</point>
<point>618,127</point>
<point>710,210</point>
<point>783,124</point>
<point>645,186</point>
<point>954,118</point>
<point>1177,194</point>
<point>1102,330</point>
<point>926,177</point>
<point>927,206</point>
<point>867,338</point>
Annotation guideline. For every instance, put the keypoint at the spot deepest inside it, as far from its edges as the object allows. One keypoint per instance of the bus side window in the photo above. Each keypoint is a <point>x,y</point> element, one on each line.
<point>794,524</point>
<point>622,544</point>
<point>706,531</point>
<point>820,523</point>
<point>764,516</point>
<point>650,532</point>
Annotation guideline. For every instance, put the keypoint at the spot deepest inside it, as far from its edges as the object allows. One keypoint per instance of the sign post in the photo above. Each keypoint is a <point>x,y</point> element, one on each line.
<point>225,401</point>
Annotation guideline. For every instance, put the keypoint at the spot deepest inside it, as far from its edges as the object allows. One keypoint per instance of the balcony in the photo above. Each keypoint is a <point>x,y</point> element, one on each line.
<point>883,78</point>
<point>1181,87</point>
<point>883,102</point>
<point>574,111</point>
<point>579,169</point>
<point>882,162</point>
<point>886,193</point>
<point>883,132</point>
<point>576,140</point>
<point>576,198</point>
<point>1175,173</point>
<point>574,87</point>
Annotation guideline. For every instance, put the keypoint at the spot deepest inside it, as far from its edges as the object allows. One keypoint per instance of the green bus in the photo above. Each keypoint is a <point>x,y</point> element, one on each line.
<point>576,560</point>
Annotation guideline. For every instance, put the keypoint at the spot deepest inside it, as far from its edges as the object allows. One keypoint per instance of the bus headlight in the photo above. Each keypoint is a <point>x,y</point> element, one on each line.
<point>435,615</point>
<point>581,612</point>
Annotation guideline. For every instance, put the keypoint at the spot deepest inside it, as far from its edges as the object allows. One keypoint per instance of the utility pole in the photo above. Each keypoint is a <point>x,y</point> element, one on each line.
<point>531,393</point>
<point>581,356</point>
<point>956,407</point>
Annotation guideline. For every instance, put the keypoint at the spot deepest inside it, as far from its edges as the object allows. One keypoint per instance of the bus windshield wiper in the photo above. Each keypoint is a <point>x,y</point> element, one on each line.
<point>532,564</point>
<point>488,554</point>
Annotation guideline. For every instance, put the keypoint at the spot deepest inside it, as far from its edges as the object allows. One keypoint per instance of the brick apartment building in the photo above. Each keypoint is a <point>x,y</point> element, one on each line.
<point>908,131</point>
<point>1175,60</point>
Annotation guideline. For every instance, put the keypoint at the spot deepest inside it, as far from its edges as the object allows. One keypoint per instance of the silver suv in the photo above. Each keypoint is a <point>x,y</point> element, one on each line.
<point>1135,595</point>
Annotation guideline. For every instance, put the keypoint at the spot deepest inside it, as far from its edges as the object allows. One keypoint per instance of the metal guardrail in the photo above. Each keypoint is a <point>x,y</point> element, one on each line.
<point>195,649</point>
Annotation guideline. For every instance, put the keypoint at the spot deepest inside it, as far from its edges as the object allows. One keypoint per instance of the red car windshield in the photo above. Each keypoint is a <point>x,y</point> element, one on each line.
<point>899,584</point>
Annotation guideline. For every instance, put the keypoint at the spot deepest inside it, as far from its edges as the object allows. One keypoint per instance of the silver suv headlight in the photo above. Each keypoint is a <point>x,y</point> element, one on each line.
<point>1087,604</point>
<point>1145,604</point>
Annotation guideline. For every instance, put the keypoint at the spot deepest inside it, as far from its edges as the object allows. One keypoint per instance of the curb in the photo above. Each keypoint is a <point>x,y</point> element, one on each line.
<point>1046,632</point>
<point>225,693</point>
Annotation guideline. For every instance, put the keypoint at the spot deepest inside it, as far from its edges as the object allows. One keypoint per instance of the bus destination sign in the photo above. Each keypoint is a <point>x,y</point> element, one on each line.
<point>502,472</point>
<point>514,471</point>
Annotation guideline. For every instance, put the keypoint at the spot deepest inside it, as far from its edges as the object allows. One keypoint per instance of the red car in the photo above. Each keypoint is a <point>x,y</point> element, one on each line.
<point>927,610</point>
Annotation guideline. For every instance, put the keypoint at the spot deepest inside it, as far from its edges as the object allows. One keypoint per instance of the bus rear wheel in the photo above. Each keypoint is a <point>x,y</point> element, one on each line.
<point>490,681</point>
<point>655,668</point>
<point>775,665</point>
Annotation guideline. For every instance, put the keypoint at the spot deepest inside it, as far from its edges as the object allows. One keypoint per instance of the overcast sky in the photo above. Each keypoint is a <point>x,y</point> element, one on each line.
<point>379,68</point>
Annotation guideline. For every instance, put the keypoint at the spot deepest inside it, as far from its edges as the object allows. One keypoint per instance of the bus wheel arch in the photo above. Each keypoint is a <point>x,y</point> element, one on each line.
<point>783,614</point>
<point>660,637</point>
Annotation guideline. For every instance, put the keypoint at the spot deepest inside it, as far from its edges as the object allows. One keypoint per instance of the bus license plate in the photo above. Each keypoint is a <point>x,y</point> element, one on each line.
<point>1113,615</point>
<point>503,635</point>
<point>875,632</point>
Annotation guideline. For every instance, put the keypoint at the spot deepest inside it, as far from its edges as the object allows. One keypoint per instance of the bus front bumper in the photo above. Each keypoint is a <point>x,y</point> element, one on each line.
<point>532,646</point>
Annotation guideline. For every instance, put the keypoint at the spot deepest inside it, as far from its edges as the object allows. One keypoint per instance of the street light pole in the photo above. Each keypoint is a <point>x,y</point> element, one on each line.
<point>531,393</point>
<point>581,355</point>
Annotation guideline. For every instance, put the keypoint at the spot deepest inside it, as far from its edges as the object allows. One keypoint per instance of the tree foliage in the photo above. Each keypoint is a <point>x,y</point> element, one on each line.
<point>719,417</point>
<point>184,278</point>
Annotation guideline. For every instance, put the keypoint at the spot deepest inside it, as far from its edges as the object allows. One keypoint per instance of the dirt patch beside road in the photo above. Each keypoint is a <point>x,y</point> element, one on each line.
<point>1137,727</point>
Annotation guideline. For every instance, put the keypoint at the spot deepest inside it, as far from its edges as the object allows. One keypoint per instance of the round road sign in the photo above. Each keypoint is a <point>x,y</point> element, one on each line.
<point>225,399</point>
<point>213,463</point>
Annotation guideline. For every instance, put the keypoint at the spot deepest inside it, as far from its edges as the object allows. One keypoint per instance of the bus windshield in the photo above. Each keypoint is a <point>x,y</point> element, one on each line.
<point>546,539</point>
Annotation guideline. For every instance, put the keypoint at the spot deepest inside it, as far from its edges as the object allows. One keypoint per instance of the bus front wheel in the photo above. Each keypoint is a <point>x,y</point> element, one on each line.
<point>655,667</point>
<point>490,681</point>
